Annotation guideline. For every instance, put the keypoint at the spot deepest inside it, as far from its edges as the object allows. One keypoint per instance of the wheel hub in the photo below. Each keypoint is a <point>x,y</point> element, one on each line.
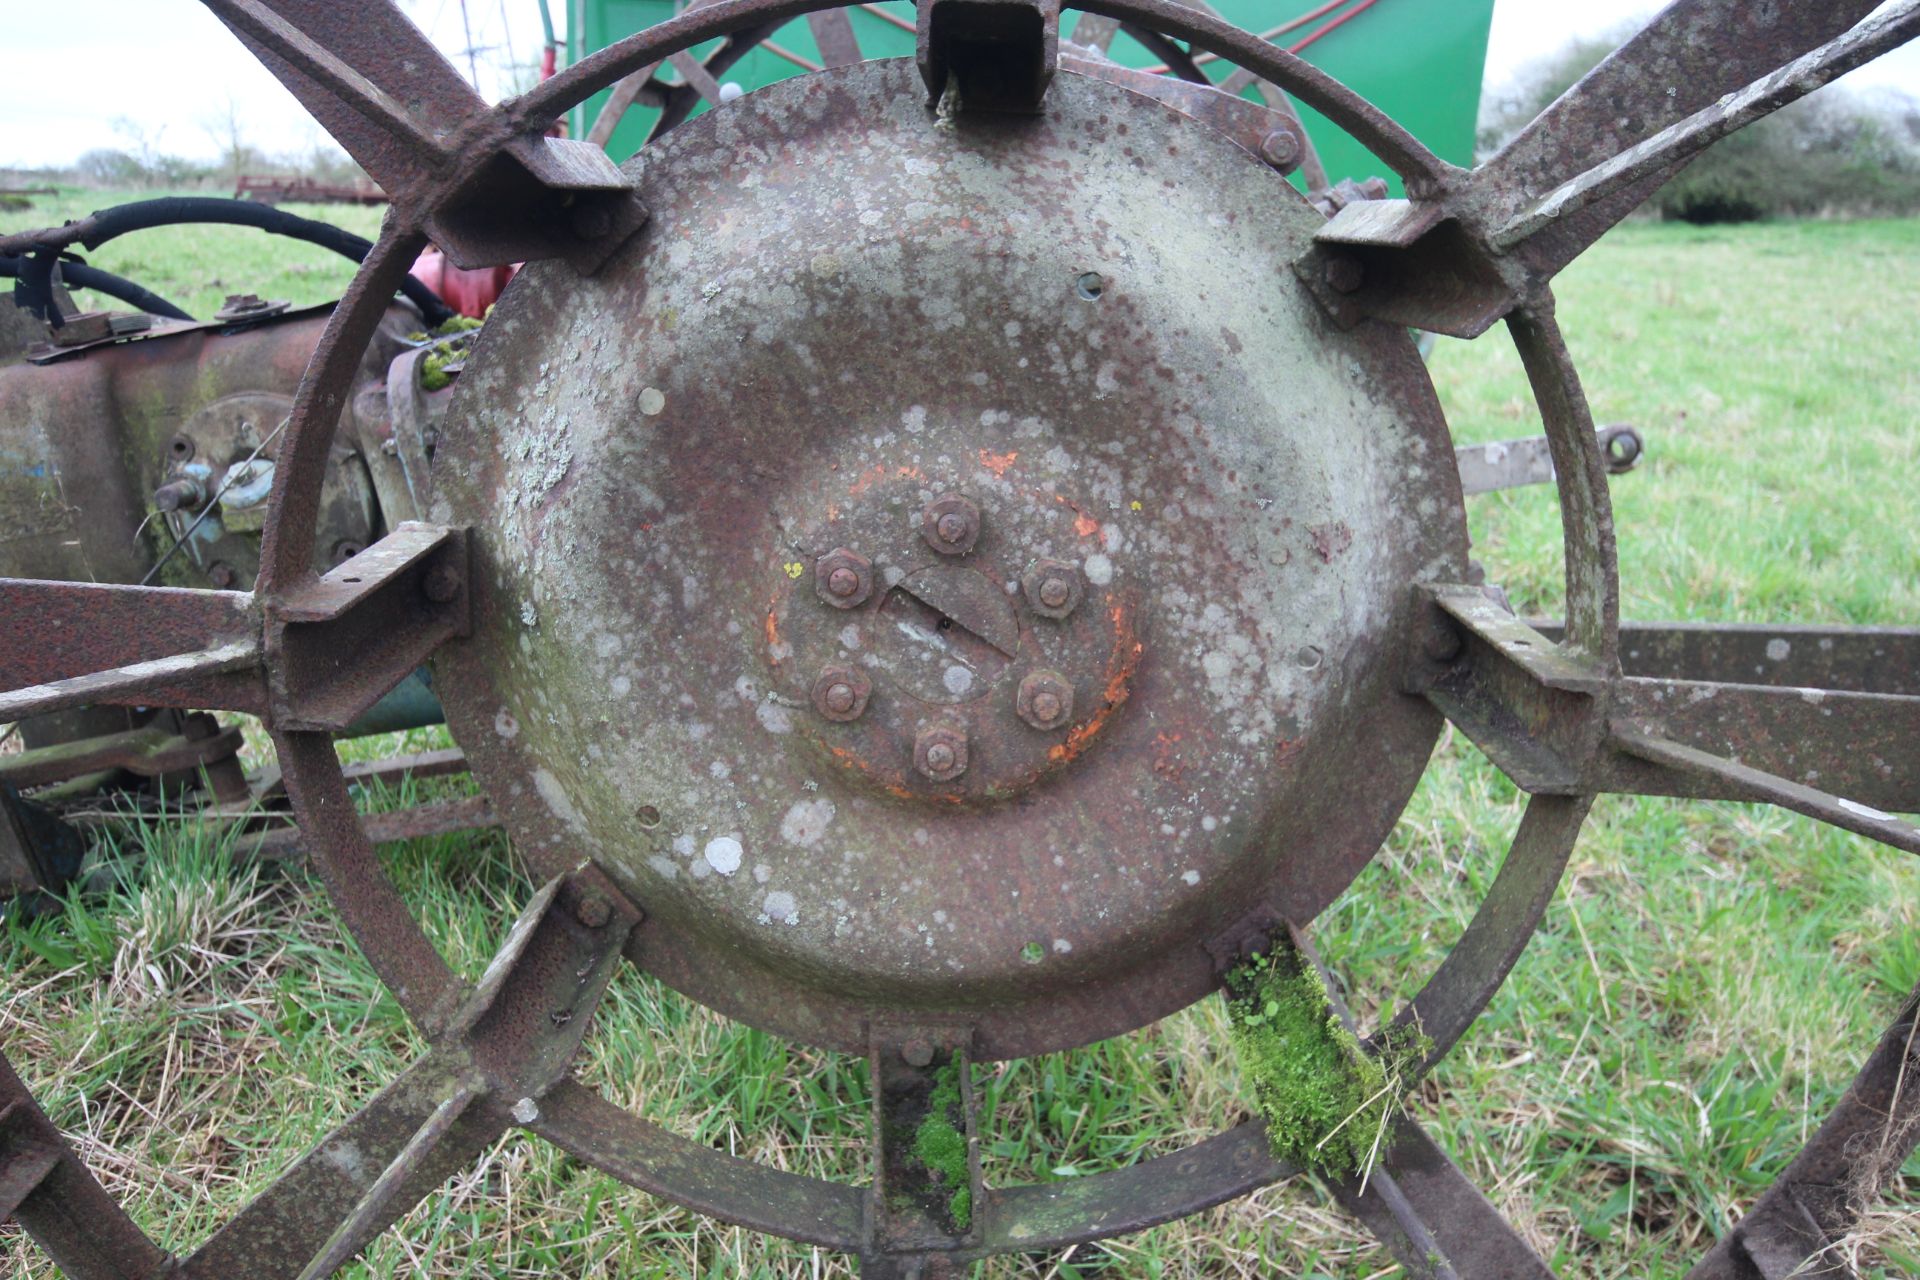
<point>930,577</point>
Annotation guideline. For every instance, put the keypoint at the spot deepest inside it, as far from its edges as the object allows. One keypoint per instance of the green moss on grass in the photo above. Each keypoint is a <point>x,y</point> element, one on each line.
<point>1325,1099</point>
<point>942,1148</point>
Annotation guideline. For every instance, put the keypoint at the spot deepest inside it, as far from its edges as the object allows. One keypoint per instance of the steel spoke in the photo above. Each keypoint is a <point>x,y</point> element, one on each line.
<point>1684,770</point>
<point>378,85</point>
<point>1860,1147</point>
<point>1692,54</point>
<point>1663,153</point>
<point>62,1205</point>
<point>833,35</point>
<point>643,1155</point>
<point>69,643</point>
<point>1478,965</point>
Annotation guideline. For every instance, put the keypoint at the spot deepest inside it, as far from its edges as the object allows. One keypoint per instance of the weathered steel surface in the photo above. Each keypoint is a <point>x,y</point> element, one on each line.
<point>961,609</point>
<point>649,632</point>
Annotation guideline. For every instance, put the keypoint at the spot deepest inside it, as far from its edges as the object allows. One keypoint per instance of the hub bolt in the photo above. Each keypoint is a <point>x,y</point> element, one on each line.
<point>1052,587</point>
<point>941,752</point>
<point>916,1053</point>
<point>442,583</point>
<point>1344,274</point>
<point>841,692</point>
<point>1281,149</point>
<point>1044,699</point>
<point>950,524</point>
<point>843,577</point>
<point>594,911</point>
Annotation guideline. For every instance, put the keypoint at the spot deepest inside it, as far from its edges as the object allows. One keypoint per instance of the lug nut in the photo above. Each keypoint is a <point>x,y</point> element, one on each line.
<point>1044,699</point>
<point>940,752</point>
<point>442,583</point>
<point>1442,641</point>
<point>594,911</point>
<point>950,524</point>
<point>843,577</point>
<point>1344,274</point>
<point>1281,149</point>
<point>841,692</point>
<point>916,1053</point>
<point>1052,587</point>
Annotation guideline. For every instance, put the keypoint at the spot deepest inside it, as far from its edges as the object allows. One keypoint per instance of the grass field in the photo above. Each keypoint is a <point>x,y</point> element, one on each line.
<point>1708,978</point>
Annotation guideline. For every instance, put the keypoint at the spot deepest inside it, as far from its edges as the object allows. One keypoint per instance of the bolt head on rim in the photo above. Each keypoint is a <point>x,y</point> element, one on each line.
<point>841,693</point>
<point>1045,699</point>
<point>844,578</point>
<point>940,752</point>
<point>1052,587</point>
<point>951,524</point>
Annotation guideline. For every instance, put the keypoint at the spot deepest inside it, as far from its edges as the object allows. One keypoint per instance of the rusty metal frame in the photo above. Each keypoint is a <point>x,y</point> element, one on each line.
<point>485,181</point>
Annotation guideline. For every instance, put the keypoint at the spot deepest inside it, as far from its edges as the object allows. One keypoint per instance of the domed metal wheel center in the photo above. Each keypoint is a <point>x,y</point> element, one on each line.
<point>914,629</point>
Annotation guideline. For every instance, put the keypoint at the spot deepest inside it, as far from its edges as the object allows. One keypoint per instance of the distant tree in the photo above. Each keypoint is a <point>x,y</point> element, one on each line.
<point>229,137</point>
<point>1832,152</point>
<point>106,167</point>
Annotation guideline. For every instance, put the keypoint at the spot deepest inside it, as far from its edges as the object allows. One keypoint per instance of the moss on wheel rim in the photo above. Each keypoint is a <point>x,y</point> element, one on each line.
<point>1327,1101</point>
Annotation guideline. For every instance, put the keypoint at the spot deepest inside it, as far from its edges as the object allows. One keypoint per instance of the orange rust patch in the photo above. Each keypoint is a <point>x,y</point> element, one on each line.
<point>997,462</point>
<point>773,638</point>
<point>874,475</point>
<point>1085,525</point>
<point>1119,685</point>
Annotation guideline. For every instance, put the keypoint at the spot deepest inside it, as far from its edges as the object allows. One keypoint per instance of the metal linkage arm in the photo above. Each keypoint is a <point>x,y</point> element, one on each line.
<point>1560,724</point>
<point>65,644</point>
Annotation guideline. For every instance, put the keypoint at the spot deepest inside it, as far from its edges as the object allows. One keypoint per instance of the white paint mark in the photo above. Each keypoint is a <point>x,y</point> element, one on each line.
<point>1191,877</point>
<point>1099,570</point>
<point>1061,946</point>
<point>775,718</point>
<point>526,1111</point>
<point>1777,650</point>
<point>557,799</point>
<point>620,685</point>
<point>505,725</point>
<point>762,872</point>
<point>723,854</point>
<point>1865,811</point>
<point>779,906</point>
<point>958,680</point>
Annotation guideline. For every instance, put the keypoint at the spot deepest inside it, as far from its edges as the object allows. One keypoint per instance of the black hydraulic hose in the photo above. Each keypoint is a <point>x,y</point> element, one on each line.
<point>34,285</point>
<point>79,275</point>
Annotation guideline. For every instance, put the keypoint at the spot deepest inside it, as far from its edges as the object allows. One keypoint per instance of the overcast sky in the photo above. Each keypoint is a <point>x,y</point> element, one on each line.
<point>73,69</point>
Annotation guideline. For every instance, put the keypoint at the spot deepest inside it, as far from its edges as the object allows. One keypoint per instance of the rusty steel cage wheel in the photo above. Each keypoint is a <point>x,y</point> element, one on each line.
<point>948,749</point>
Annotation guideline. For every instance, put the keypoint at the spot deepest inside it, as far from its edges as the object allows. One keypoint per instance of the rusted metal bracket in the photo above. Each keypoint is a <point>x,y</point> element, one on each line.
<point>343,640</point>
<point>1408,262</point>
<point>994,55</point>
<point>1530,704</point>
<point>920,1220</point>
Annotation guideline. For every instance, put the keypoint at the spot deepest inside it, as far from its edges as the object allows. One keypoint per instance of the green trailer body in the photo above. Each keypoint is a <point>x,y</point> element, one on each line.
<point>1420,61</point>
